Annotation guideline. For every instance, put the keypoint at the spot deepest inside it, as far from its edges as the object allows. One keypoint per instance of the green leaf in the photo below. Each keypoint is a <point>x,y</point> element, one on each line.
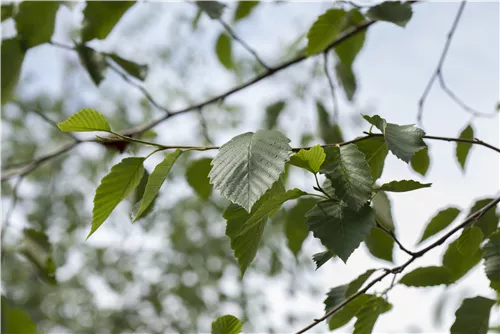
<point>325,30</point>
<point>335,297</point>
<point>349,49</point>
<point>460,264</point>
<point>114,187</point>
<point>85,120</point>
<point>376,120</point>
<point>492,258</point>
<point>94,62</point>
<point>380,244</point>
<point>223,49</point>
<point>7,11</point>
<point>347,79</point>
<point>136,70</point>
<point>470,240</point>
<point>349,173</point>
<point>197,177</point>
<point>321,258</point>
<point>391,11</point>
<point>226,324</point>
<point>375,151</point>
<point>340,228</point>
<point>420,161</point>
<point>356,284</point>
<point>330,133</point>
<point>213,9</point>
<point>462,149</point>
<point>296,230</point>
<point>155,181</point>
<point>439,222</point>
<point>403,186</point>
<point>38,249</point>
<point>473,316</point>
<point>369,313</point>
<point>382,206</point>
<point>488,223</point>
<point>12,60</point>
<point>310,159</point>
<point>248,165</point>
<point>244,9</point>
<point>273,110</point>
<point>427,276</point>
<point>342,317</point>
<point>35,21</point>
<point>100,17</point>
<point>15,320</point>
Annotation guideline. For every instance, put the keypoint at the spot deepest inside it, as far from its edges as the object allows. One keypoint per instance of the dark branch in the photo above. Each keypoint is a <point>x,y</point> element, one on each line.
<point>393,236</point>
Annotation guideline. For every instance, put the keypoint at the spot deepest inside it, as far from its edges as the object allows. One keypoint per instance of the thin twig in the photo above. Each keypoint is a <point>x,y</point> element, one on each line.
<point>332,87</point>
<point>393,236</point>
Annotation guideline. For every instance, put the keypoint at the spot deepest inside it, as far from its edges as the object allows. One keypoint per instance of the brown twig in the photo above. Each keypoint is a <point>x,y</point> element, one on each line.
<point>393,236</point>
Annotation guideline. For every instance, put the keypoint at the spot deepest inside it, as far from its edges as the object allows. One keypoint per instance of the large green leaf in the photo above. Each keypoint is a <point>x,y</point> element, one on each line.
<point>340,228</point>
<point>197,177</point>
<point>439,222</point>
<point>248,165</point>
<point>223,49</point>
<point>369,313</point>
<point>343,316</point>
<point>94,62</point>
<point>100,17</point>
<point>488,222</point>
<point>349,49</point>
<point>244,9</point>
<point>321,258</point>
<point>155,181</point>
<point>403,186</point>
<point>139,71</point>
<point>227,324</point>
<point>114,187</point>
<point>349,173</point>
<point>427,276</point>
<point>473,316</point>
<point>310,159</point>
<point>391,11</point>
<point>328,131</point>
<point>15,320</point>
<point>347,79</point>
<point>213,9</point>
<point>382,206</point>
<point>35,21</point>
<point>380,244</point>
<point>420,161</point>
<point>462,149</point>
<point>38,249</point>
<point>85,120</point>
<point>12,60</point>
<point>492,258</point>
<point>470,240</point>
<point>460,264</point>
<point>375,151</point>
<point>325,30</point>
<point>273,111</point>
<point>296,230</point>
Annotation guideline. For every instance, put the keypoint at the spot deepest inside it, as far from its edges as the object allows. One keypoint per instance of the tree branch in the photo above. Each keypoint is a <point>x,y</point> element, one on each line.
<point>393,236</point>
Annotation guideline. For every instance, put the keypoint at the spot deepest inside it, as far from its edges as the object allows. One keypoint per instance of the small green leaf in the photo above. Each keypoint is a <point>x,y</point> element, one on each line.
<point>213,9</point>
<point>114,187</point>
<point>462,150</point>
<point>376,120</point>
<point>155,181</point>
<point>340,228</point>
<point>375,151</point>
<point>136,70</point>
<point>439,222</point>
<point>12,61</point>
<point>369,313</point>
<point>226,324</point>
<point>356,284</point>
<point>38,249</point>
<point>223,49</point>
<point>492,258</point>
<point>470,240</point>
<point>427,276</point>
<point>473,316</point>
<point>325,30</point>
<point>420,161</point>
<point>94,62</point>
<point>380,244</point>
<point>349,49</point>
<point>7,11</point>
<point>15,320</point>
<point>296,230</point>
<point>460,264</point>
<point>35,21</point>
<point>85,120</point>
<point>100,17</point>
<point>391,11</point>
<point>329,132</point>
<point>344,315</point>
<point>310,159</point>
<point>382,206</point>
<point>273,111</point>
<point>488,223</point>
<point>347,79</point>
<point>197,177</point>
<point>349,173</point>
<point>403,186</point>
<point>244,9</point>
<point>321,258</point>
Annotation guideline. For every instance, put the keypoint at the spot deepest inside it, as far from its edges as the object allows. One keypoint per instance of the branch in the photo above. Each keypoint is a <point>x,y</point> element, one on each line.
<point>473,217</point>
<point>393,236</point>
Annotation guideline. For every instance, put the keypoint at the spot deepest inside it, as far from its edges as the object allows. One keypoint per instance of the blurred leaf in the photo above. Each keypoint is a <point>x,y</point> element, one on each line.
<point>310,159</point>
<point>136,70</point>
<point>93,61</point>
<point>100,17</point>
<point>369,313</point>
<point>427,276</point>
<point>403,186</point>
<point>244,9</point>
<point>114,187</point>
<point>382,206</point>
<point>342,317</point>
<point>349,173</point>
<point>38,250</point>
<point>488,223</point>
<point>321,258</point>
<point>330,133</point>
<point>460,264</point>
<point>470,240</point>
<point>380,244</point>
<point>349,49</point>
<point>347,79</point>
<point>196,20</point>
<point>197,177</point>
<point>223,49</point>
<point>439,222</point>
<point>273,111</point>
<point>420,161</point>
<point>391,11</point>
<point>325,30</point>
<point>296,230</point>
<point>473,316</point>
<point>213,9</point>
<point>7,11</point>
<point>226,324</point>
<point>357,283</point>
<point>85,120</point>
<point>248,165</point>
<point>492,258</point>
<point>16,321</point>
<point>340,228</point>
<point>12,60</point>
<point>375,151</point>
<point>462,150</point>
<point>35,21</point>
<point>155,181</point>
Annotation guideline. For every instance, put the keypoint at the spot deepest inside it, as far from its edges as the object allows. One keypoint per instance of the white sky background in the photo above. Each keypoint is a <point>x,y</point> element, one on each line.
<point>392,71</point>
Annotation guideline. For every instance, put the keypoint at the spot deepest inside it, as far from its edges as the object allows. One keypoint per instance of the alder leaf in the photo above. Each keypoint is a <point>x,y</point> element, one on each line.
<point>114,187</point>
<point>325,30</point>
<point>94,62</point>
<point>15,320</point>
<point>488,223</point>
<point>349,173</point>
<point>349,49</point>
<point>383,212</point>
<point>347,79</point>
<point>375,151</point>
<point>213,9</point>
<point>473,316</point>
<point>492,258</point>
<point>403,186</point>
<point>340,228</point>
<point>244,9</point>
<point>349,311</point>
<point>427,276</point>
<point>439,222</point>
<point>460,264</point>
<point>310,159</point>
<point>391,11</point>
<point>100,17</point>
<point>85,120</point>
<point>462,149</point>
<point>273,110</point>
<point>12,61</point>
<point>470,240</point>
<point>227,324</point>
<point>35,21</point>
<point>380,244</point>
<point>369,313</point>
<point>420,161</point>
<point>330,132</point>
<point>296,230</point>
<point>223,49</point>
<point>139,71</point>
<point>197,177</point>
<point>248,165</point>
<point>321,258</point>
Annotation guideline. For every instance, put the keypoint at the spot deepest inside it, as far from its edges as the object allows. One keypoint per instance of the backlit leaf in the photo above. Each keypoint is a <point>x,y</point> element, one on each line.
<point>197,177</point>
<point>462,149</point>
<point>310,159</point>
<point>85,120</point>
<point>325,30</point>
<point>223,49</point>
<point>244,9</point>
<point>100,17</point>
<point>35,21</point>
<point>375,151</point>
<point>382,206</point>
<point>403,186</point>
<point>473,316</point>
<point>226,324</point>
<point>349,49</point>
<point>439,222</point>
